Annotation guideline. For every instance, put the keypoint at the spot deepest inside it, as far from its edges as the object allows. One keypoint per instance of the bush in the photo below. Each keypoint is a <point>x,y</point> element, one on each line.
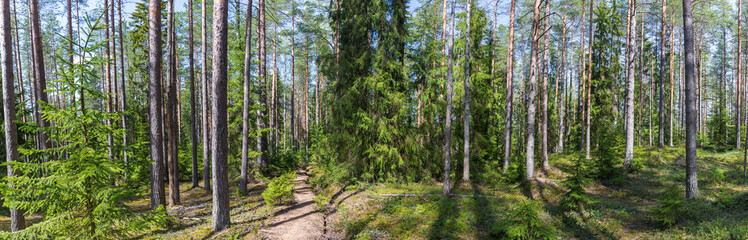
<point>280,190</point>
<point>669,206</point>
<point>714,175</point>
<point>525,223</point>
<point>576,198</point>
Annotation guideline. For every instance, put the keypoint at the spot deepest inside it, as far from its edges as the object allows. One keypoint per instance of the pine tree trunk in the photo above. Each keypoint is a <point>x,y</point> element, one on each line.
<point>17,220</point>
<point>691,122</point>
<point>448,116</point>
<point>630,81</point>
<point>661,103</point>
<point>589,88</point>
<point>171,109</point>
<point>509,89</point>
<point>221,217</point>
<point>293,75</point>
<point>544,97</point>
<point>41,82</point>
<point>262,142</point>
<point>245,108</point>
<point>532,85</point>
<point>739,102</point>
<point>158,196</point>
<point>672,56</point>
<point>466,139</point>
<point>193,105</point>
<point>205,98</point>
<point>123,95</point>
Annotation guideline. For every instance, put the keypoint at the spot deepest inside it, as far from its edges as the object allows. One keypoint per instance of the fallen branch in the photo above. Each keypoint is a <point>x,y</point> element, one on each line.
<point>427,195</point>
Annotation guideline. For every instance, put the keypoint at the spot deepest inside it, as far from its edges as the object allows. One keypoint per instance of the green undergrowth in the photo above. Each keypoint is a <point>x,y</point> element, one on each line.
<point>645,202</point>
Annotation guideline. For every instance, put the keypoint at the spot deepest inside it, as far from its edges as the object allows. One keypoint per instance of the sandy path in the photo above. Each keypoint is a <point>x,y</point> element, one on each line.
<point>298,221</point>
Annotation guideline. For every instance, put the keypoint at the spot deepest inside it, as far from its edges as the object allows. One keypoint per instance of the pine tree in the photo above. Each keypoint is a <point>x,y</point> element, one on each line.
<point>155,61</point>
<point>219,145</point>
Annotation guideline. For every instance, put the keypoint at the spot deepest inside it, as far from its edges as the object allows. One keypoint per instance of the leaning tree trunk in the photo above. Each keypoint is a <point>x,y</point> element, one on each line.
<point>691,180</point>
<point>630,81</point>
<point>530,152</point>
<point>17,221</point>
<point>158,196</point>
<point>221,217</point>
<point>245,108</point>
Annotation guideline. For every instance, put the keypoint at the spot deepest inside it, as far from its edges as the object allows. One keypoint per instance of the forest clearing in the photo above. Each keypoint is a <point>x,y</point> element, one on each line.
<point>373,119</point>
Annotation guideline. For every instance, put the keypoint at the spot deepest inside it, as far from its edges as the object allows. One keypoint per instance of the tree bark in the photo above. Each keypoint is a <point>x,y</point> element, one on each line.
<point>691,180</point>
<point>41,82</point>
<point>509,89</point>
<point>193,105</point>
<point>589,87</point>
<point>245,108</point>
<point>293,75</point>
<point>262,142</point>
<point>544,97</point>
<point>466,118</point>
<point>661,103</point>
<point>221,217</point>
<point>17,221</point>
<point>448,116</point>
<point>123,95</point>
<point>630,81</point>
<point>171,110</point>
<point>739,102</point>
<point>158,196</point>
<point>205,98</point>
<point>535,38</point>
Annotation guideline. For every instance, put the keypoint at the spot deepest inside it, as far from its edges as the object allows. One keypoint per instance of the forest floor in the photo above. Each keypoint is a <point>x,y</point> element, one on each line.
<point>622,208</point>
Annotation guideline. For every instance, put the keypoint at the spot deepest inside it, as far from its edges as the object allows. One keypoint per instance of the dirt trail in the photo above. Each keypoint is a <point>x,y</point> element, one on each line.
<point>298,221</point>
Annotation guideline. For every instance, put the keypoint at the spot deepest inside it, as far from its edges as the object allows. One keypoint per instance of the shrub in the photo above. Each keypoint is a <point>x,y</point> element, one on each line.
<point>669,206</point>
<point>576,198</point>
<point>280,190</point>
<point>714,175</point>
<point>525,223</point>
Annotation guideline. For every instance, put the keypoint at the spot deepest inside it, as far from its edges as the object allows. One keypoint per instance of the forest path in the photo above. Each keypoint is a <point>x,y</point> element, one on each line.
<point>299,221</point>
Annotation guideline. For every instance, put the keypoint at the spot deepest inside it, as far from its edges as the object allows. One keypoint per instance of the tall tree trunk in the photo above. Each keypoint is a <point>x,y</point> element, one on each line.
<point>123,95</point>
<point>661,103</point>
<point>448,116</point>
<point>672,56</point>
<point>532,85</point>
<point>691,180</point>
<point>582,75</point>
<point>107,79</point>
<point>293,75</point>
<point>221,217</point>
<point>466,139</point>
<point>544,97</point>
<point>193,105</point>
<point>158,196</point>
<point>245,108</point>
<point>262,142</point>
<point>70,44</point>
<point>641,83</point>
<point>274,114</point>
<point>17,221</point>
<point>739,102</point>
<point>561,109</point>
<point>630,81</point>
<point>41,82</point>
<point>171,110</point>
<point>589,88</point>
<point>205,97</point>
<point>509,88</point>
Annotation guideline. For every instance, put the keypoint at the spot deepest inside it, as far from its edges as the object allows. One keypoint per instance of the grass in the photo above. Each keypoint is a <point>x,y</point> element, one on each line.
<point>622,208</point>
